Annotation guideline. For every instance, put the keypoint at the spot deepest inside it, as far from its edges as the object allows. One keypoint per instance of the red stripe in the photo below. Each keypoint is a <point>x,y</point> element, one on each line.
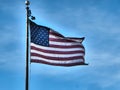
<point>66,46</point>
<point>57,58</point>
<point>57,52</point>
<point>61,40</point>
<point>44,62</point>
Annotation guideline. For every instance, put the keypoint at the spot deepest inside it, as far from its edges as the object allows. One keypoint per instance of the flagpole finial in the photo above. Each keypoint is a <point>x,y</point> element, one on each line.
<point>27,2</point>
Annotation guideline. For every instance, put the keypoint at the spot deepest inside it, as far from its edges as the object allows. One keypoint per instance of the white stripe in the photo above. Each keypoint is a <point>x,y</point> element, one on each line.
<point>57,49</point>
<point>65,43</point>
<point>56,55</point>
<point>57,62</point>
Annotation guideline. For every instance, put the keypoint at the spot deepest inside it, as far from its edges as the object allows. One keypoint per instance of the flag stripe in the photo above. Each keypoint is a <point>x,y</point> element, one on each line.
<point>56,49</point>
<point>64,43</point>
<point>57,58</point>
<point>66,46</point>
<point>57,52</point>
<point>57,61</point>
<point>56,55</point>
<point>61,40</point>
<point>57,64</point>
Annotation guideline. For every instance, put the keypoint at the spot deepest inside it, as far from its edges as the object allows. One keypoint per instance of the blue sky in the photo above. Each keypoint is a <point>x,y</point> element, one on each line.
<point>97,20</point>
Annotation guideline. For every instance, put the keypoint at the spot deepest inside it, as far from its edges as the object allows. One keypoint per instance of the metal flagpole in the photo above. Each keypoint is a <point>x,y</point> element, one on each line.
<point>28,14</point>
<point>27,45</point>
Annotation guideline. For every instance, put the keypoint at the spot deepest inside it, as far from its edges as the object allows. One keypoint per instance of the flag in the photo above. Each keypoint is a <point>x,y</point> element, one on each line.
<point>50,47</point>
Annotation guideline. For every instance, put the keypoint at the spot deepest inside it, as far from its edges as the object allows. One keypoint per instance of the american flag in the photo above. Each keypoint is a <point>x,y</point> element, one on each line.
<point>50,47</point>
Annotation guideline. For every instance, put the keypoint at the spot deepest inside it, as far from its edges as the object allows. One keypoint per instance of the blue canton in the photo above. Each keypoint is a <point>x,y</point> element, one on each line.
<point>39,34</point>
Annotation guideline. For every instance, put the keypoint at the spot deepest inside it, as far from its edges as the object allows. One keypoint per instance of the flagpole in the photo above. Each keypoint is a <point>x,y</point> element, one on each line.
<point>27,45</point>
